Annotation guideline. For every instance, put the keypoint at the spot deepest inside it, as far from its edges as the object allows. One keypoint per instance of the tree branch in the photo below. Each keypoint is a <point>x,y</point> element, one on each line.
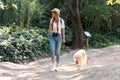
<point>70,8</point>
<point>80,3</point>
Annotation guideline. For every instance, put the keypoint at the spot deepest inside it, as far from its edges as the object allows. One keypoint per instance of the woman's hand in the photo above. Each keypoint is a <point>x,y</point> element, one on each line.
<point>63,40</point>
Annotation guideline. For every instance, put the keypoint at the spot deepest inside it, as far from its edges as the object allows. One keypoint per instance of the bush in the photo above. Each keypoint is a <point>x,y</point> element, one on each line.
<point>21,44</point>
<point>102,40</point>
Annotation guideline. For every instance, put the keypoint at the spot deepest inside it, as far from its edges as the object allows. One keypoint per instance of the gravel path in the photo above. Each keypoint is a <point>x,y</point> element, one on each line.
<point>103,64</point>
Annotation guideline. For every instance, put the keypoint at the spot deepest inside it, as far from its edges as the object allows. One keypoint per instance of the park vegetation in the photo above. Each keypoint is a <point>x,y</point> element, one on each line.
<point>24,26</point>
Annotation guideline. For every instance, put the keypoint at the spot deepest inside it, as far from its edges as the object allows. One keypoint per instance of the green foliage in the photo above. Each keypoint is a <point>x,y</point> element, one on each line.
<point>27,37</point>
<point>97,16</point>
<point>23,13</point>
<point>68,34</point>
<point>21,45</point>
<point>102,40</point>
<point>102,20</point>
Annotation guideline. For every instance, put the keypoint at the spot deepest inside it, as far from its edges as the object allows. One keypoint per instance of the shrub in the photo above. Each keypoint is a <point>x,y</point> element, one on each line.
<point>102,40</point>
<point>21,44</point>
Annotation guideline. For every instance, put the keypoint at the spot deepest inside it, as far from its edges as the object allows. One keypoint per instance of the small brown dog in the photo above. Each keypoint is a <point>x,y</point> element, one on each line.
<point>80,58</point>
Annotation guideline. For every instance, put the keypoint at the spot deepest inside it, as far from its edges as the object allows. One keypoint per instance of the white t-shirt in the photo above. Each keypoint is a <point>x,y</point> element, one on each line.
<point>61,24</point>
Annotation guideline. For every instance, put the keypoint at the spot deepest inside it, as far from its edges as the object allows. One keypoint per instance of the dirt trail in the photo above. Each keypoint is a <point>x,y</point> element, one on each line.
<point>103,64</point>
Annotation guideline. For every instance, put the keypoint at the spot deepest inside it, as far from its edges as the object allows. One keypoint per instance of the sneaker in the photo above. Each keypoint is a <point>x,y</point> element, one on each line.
<point>53,68</point>
<point>56,69</point>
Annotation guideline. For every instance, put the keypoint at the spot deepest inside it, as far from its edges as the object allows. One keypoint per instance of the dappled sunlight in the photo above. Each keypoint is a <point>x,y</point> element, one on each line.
<point>95,66</point>
<point>0,31</point>
<point>68,68</point>
<point>32,74</point>
<point>5,78</point>
<point>5,42</point>
<point>8,65</point>
<point>75,76</point>
<point>112,2</point>
<point>101,62</point>
<point>118,1</point>
<point>2,5</point>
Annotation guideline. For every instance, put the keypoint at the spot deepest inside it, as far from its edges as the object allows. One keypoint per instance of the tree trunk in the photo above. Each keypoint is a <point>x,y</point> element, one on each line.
<point>76,23</point>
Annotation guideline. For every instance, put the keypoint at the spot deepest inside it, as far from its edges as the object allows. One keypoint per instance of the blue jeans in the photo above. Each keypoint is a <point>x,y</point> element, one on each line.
<point>55,46</point>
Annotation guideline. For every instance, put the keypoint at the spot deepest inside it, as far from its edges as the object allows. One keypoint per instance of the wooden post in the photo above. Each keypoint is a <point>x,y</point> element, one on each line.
<point>88,35</point>
<point>87,42</point>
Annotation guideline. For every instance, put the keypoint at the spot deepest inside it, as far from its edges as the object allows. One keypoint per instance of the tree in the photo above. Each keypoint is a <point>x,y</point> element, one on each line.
<point>75,8</point>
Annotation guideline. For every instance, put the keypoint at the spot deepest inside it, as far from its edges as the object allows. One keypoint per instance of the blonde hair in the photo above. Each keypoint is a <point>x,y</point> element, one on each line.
<point>56,18</point>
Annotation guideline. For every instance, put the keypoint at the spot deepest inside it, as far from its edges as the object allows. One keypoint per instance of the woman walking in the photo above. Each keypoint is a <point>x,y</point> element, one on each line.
<point>57,36</point>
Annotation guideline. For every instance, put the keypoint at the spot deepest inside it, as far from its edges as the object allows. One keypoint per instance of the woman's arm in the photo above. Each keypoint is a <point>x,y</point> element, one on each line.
<point>63,35</point>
